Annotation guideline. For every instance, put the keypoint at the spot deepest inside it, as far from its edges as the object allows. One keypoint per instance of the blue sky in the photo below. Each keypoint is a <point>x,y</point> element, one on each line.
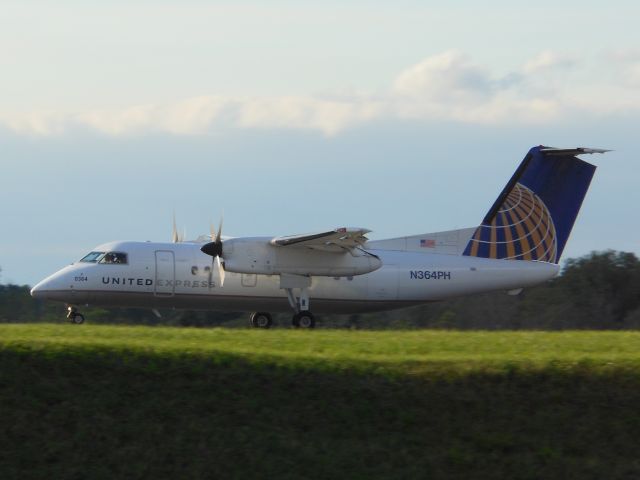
<point>291,117</point>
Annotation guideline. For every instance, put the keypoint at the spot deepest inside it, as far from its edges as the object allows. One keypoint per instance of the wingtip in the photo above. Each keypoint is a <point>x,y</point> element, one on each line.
<point>364,231</point>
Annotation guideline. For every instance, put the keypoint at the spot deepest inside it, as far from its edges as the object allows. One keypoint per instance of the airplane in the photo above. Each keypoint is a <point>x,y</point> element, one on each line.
<point>518,244</point>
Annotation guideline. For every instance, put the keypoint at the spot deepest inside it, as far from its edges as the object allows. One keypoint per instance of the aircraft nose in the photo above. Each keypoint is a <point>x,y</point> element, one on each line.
<point>49,287</point>
<point>58,287</point>
<point>39,290</point>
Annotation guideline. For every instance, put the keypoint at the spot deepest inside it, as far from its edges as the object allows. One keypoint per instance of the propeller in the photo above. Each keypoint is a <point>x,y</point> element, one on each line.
<point>175,235</point>
<point>214,249</point>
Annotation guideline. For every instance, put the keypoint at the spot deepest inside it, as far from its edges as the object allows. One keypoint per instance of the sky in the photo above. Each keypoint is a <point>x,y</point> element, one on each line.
<point>291,117</point>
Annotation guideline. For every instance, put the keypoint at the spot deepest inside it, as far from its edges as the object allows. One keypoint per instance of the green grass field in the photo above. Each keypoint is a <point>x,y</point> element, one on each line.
<point>138,402</point>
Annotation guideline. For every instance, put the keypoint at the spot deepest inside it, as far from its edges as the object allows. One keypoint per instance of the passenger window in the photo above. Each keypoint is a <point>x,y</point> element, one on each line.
<point>114,258</point>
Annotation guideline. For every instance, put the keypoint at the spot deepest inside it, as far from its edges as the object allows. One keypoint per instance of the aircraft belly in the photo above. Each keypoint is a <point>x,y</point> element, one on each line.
<point>226,302</point>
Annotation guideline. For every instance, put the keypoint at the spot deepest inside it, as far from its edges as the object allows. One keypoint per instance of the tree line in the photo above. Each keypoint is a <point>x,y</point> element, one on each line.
<point>597,291</point>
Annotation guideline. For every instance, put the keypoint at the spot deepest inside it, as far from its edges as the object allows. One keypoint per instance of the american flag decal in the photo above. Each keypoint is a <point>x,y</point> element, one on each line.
<point>428,243</point>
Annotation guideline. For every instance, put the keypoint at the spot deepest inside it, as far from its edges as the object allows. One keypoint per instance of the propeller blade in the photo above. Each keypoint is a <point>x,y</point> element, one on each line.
<point>219,271</point>
<point>219,236</point>
<point>174,232</point>
<point>214,247</point>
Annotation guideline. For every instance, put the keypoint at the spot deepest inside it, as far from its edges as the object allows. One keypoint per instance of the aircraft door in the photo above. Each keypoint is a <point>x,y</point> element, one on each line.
<point>165,281</point>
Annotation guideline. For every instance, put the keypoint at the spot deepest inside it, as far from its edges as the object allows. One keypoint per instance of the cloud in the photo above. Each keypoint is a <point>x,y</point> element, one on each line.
<point>207,114</point>
<point>450,74</point>
<point>39,123</point>
<point>326,115</point>
<point>628,55</point>
<point>189,117</point>
<point>547,61</point>
<point>448,86</point>
<point>627,65</point>
<point>634,74</point>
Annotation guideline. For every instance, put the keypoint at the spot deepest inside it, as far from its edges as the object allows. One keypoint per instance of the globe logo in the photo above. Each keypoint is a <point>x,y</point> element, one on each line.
<point>522,229</point>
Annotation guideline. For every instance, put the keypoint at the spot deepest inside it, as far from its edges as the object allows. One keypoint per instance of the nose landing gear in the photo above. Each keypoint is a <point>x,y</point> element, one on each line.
<point>74,316</point>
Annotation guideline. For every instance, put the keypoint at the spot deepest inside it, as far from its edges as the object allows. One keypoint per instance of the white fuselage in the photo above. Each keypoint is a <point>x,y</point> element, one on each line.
<point>176,275</point>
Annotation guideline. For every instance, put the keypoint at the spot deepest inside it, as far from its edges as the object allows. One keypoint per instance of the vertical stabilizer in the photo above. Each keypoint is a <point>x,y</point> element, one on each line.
<point>534,214</point>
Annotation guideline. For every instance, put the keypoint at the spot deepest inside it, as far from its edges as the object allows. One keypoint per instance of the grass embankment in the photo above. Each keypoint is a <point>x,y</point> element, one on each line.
<point>136,402</point>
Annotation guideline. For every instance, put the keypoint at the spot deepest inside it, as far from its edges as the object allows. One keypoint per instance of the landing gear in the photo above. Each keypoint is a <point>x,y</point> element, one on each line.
<point>303,319</point>
<point>74,316</point>
<point>261,320</point>
<point>299,302</point>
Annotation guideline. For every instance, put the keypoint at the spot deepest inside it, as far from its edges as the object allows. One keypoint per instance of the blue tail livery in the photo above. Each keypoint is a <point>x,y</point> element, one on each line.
<point>534,214</point>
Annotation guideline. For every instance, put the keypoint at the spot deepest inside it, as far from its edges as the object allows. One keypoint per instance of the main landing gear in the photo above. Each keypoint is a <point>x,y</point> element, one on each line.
<point>261,320</point>
<point>302,317</point>
<point>74,316</point>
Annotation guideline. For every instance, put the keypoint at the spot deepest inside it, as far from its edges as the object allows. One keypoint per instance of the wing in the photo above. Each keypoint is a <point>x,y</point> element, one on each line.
<point>337,240</point>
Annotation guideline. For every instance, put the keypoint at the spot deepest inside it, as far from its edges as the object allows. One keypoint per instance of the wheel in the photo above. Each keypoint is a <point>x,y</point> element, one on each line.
<point>261,320</point>
<point>78,319</point>
<point>304,319</point>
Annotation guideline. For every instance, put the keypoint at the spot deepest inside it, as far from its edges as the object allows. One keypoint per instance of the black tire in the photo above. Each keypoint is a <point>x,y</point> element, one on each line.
<point>304,319</point>
<point>261,320</point>
<point>77,319</point>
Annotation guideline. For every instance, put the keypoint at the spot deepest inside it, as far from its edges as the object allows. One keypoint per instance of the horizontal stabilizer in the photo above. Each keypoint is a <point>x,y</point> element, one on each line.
<point>572,151</point>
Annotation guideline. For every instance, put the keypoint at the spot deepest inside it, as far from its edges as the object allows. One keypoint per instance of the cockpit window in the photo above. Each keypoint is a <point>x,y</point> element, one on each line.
<point>114,258</point>
<point>93,257</point>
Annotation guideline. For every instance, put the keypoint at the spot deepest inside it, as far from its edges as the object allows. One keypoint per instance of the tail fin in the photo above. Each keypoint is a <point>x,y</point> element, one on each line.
<point>534,214</point>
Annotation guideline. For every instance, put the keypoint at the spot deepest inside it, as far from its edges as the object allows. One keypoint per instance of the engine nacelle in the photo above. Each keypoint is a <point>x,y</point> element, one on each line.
<point>257,255</point>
